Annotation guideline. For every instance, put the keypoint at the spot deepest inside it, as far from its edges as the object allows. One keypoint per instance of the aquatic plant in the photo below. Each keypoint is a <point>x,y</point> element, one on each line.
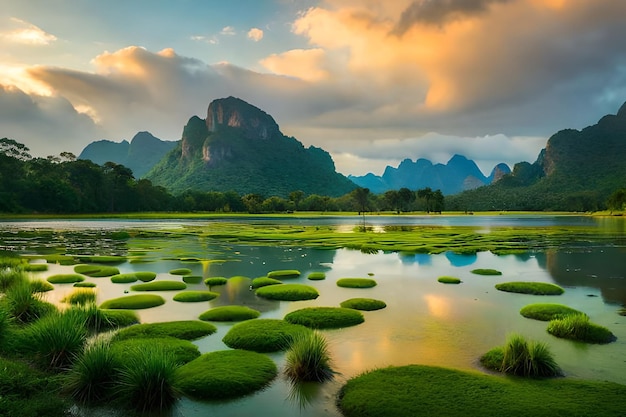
<point>133,302</point>
<point>316,276</point>
<point>230,313</point>
<point>39,285</point>
<point>80,296</point>
<point>85,284</point>
<point>523,358</point>
<point>159,286</point>
<point>103,259</point>
<point>145,276</point>
<point>182,351</point>
<point>288,292</point>
<point>180,271</point>
<point>364,304</point>
<point>284,274</point>
<point>96,271</point>
<point>24,305</point>
<point>65,278</point>
<point>325,317</point>
<point>211,281</point>
<point>356,283</point>
<point>264,281</point>
<point>9,276</point>
<point>535,288</point>
<point>184,329</point>
<point>486,271</point>
<point>192,279</point>
<point>93,373</point>
<point>546,311</point>
<point>449,280</point>
<point>262,335</point>
<point>124,278</point>
<point>195,296</point>
<point>578,327</point>
<point>308,358</point>
<point>35,267</point>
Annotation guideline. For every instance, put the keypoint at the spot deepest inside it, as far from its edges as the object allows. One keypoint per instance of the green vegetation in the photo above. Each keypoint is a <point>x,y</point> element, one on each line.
<point>578,327</point>
<point>264,281</point>
<point>65,278</point>
<point>356,283</point>
<point>24,305</point>
<point>213,281</point>
<point>183,351</point>
<point>96,271</point>
<point>445,392</point>
<point>35,267</point>
<point>195,296</point>
<point>523,358</point>
<point>145,276</point>
<point>187,330</point>
<point>120,318</point>
<point>546,311</point>
<point>160,286</point>
<point>316,276</point>
<point>449,280</point>
<point>80,296</point>
<point>85,284</point>
<point>364,304</point>
<point>486,271</point>
<point>39,285</point>
<point>262,335</point>
<point>325,317</point>
<point>230,313</point>
<point>103,259</point>
<point>133,302</point>
<point>192,279</point>
<point>536,288</point>
<point>124,278</point>
<point>288,292</point>
<point>225,374</point>
<point>308,359</point>
<point>86,269</point>
<point>92,376</point>
<point>180,271</point>
<point>284,274</point>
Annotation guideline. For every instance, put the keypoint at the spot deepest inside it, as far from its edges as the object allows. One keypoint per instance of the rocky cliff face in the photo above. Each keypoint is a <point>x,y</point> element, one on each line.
<point>234,112</point>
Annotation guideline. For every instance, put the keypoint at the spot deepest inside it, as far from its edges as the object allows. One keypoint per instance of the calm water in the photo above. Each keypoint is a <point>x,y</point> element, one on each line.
<point>425,322</point>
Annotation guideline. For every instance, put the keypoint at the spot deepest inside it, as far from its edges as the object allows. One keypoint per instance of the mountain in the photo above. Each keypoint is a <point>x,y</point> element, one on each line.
<point>457,175</point>
<point>576,171</point>
<point>140,155</point>
<point>239,147</point>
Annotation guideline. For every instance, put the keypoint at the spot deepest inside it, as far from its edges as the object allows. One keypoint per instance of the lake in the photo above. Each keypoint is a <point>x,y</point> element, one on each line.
<point>425,322</point>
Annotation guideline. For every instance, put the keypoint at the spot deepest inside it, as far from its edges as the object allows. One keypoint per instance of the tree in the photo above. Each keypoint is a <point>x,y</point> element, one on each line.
<point>252,202</point>
<point>296,197</point>
<point>14,149</point>
<point>617,200</point>
<point>392,200</point>
<point>427,195</point>
<point>361,197</point>
<point>406,197</point>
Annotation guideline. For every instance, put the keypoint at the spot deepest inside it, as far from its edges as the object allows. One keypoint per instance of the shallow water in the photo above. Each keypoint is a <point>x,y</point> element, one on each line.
<point>425,322</point>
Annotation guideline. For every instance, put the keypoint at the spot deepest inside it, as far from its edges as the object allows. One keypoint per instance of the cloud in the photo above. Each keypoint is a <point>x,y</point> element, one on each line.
<point>306,64</point>
<point>228,31</point>
<point>27,34</point>
<point>255,34</point>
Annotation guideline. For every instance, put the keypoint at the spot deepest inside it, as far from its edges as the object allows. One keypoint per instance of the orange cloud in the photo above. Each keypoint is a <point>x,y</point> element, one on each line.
<point>306,64</point>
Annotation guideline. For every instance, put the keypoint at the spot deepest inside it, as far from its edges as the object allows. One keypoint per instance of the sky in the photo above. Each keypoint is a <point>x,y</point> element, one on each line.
<point>371,82</point>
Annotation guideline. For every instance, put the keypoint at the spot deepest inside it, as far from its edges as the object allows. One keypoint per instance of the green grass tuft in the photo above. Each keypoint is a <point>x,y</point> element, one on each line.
<point>284,274</point>
<point>65,278</point>
<point>186,329</point>
<point>262,335</point>
<point>93,374</point>
<point>578,327</point>
<point>535,288</point>
<point>325,317</point>
<point>546,311</point>
<point>160,286</point>
<point>213,281</point>
<point>308,359</point>
<point>264,282</point>
<point>195,296</point>
<point>85,284</point>
<point>486,271</point>
<point>523,358</point>
<point>229,313</point>
<point>96,271</point>
<point>24,305</point>
<point>35,267</point>
<point>449,280</point>
<point>356,283</point>
<point>364,304</point>
<point>288,292</point>
<point>133,302</point>
<point>39,285</point>
<point>80,296</point>
<point>183,351</point>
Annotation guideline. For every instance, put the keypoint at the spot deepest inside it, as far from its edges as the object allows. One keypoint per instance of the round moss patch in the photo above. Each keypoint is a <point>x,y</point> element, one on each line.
<point>182,350</point>
<point>535,288</point>
<point>104,259</point>
<point>180,271</point>
<point>211,281</point>
<point>195,296</point>
<point>264,282</point>
<point>325,317</point>
<point>134,302</point>
<point>547,311</point>
<point>124,278</point>
<point>184,329</point>
<point>284,274</point>
<point>35,267</point>
<point>230,313</point>
<point>356,283</point>
<point>449,280</point>
<point>486,271</point>
<point>262,335</point>
<point>365,304</point>
<point>288,292</point>
<point>226,374</point>
<point>192,279</point>
<point>65,278</point>
<point>316,276</point>
<point>96,271</point>
<point>145,276</point>
<point>160,286</point>
<point>85,284</point>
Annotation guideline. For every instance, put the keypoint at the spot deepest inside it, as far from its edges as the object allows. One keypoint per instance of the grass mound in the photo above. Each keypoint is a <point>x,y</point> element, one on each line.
<point>485,271</point>
<point>192,279</point>
<point>230,313</point>
<point>181,271</point>
<point>185,329</point>
<point>356,283</point>
<point>578,327</point>
<point>92,376</point>
<point>449,280</point>
<point>445,392</point>
<point>195,296</point>
<point>211,281</point>
<point>80,296</point>
<point>85,284</point>
<point>22,304</point>
<point>226,374</point>
<point>35,267</point>
<point>264,282</point>
<point>284,274</point>
<point>39,285</point>
<point>120,318</point>
<point>160,286</point>
<point>316,276</point>
<point>124,278</point>
<point>96,271</point>
<point>65,278</point>
<point>325,317</point>
<point>262,335</point>
<point>288,292</point>
<point>535,288</point>
<point>103,259</point>
<point>546,311</point>
<point>364,304</point>
<point>308,359</point>
<point>133,302</point>
<point>523,358</point>
<point>183,351</point>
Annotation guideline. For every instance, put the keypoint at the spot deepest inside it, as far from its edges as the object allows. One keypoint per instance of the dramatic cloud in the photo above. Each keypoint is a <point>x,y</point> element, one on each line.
<point>27,33</point>
<point>255,34</point>
<point>306,64</point>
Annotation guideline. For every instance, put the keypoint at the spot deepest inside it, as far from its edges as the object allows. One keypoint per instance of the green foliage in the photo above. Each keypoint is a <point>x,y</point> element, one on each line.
<point>449,280</point>
<point>65,278</point>
<point>195,296</point>
<point>284,274</point>
<point>535,288</point>
<point>523,358</point>
<point>226,374</point>
<point>230,313</point>
<point>187,330</point>
<point>160,286</point>
<point>264,281</point>
<point>80,296</point>
<point>145,276</point>
<point>308,359</point>
<point>325,317</point>
<point>356,283</point>
<point>183,351</point>
<point>486,271</point>
<point>546,311</point>
<point>39,285</point>
<point>85,284</point>
<point>316,276</point>
<point>93,374</point>
<point>364,304</point>
<point>133,302</point>
<point>24,305</point>
<point>262,335</point>
<point>288,292</point>
<point>96,271</point>
<point>192,279</point>
<point>578,327</point>
<point>10,276</point>
<point>180,271</point>
<point>35,267</point>
<point>103,259</point>
<point>124,278</point>
<point>213,281</point>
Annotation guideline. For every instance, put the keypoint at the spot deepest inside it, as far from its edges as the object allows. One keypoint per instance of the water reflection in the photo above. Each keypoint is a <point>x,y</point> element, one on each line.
<point>303,394</point>
<point>237,291</point>
<point>459,260</point>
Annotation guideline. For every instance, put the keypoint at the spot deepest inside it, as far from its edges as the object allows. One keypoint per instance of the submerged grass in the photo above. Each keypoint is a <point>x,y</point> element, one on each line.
<point>535,288</point>
<point>578,327</point>
<point>308,359</point>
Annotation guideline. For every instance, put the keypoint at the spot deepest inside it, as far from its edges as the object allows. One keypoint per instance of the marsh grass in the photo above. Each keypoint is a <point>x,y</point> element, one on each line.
<point>85,284</point>
<point>133,302</point>
<point>262,335</point>
<point>214,281</point>
<point>93,374</point>
<point>264,282</point>
<point>316,276</point>
<point>103,259</point>
<point>579,327</point>
<point>288,292</point>
<point>486,271</point>
<point>325,317</point>
<point>96,271</point>
<point>24,305</point>
<point>39,285</point>
<point>80,296</point>
<point>160,286</point>
<point>284,274</point>
<point>35,267</point>
<point>182,350</point>
<point>180,271</point>
<point>449,280</point>
<point>185,329</point>
<point>535,288</point>
<point>356,283</point>
<point>195,296</point>
<point>9,276</point>
<point>65,278</point>
<point>364,304</point>
<point>527,358</point>
<point>546,311</point>
<point>124,278</point>
<point>230,313</point>
<point>192,279</point>
<point>308,358</point>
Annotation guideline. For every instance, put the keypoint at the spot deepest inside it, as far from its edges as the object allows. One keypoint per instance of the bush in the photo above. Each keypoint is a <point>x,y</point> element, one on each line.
<point>356,282</point>
<point>449,280</point>
<point>364,304</point>
<point>159,286</point>
<point>262,335</point>
<point>264,282</point>
<point>133,302</point>
<point>325,317</point>
<point>535,288</point>
<point>546,311</point>
<point>93,374</point>
<point>486,271</point>
<point>230,313</point>
<point>211,281</point>
<point>308,359</point>
<point>195,296</point>
<point>185,329</point>
<point>523,358</point>
<point>284,274</point>
<point>288,292</point>
<point>65,278</point>
<point>578,327</point>
<point>316,276</point>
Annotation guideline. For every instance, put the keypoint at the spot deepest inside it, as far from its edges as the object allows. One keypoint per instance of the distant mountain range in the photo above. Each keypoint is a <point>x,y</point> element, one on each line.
<point>459,174</point>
